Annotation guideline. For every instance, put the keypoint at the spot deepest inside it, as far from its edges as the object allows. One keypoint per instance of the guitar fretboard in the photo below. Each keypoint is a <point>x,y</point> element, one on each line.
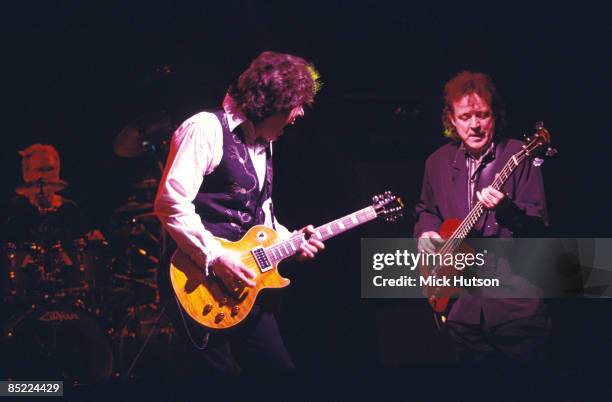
<point>291,246</point>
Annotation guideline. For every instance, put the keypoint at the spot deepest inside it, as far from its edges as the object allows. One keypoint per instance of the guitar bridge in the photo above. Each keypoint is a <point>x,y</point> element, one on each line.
<point>261,259</point>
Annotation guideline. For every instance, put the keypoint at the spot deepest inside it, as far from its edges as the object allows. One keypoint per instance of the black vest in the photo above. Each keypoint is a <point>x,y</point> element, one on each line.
<point>229,201</point>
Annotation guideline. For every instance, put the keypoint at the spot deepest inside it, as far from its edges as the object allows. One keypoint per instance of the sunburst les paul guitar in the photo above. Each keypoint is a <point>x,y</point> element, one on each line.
<point>207,301</point>
<point>455,230</point>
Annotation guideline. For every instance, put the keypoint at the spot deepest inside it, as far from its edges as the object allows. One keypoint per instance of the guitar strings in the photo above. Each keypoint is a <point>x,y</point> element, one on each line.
<point>474,215</point>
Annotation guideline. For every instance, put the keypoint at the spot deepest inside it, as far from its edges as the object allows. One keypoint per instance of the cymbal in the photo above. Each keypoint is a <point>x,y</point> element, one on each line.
<point>133,207</point>
<point>136,137</point>
<point>41,185</point>
<point>147,217</point>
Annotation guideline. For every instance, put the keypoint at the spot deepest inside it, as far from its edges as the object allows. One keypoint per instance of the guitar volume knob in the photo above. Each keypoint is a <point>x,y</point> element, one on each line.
<point>235,310</point>
<point>207,309</point>
<point>219,317</point>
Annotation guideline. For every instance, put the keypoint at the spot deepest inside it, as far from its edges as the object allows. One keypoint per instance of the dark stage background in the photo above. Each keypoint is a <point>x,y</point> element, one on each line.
<point>75,73</point>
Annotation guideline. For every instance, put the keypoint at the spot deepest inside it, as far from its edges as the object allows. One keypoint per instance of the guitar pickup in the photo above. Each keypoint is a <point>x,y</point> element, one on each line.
<point>259,254</point>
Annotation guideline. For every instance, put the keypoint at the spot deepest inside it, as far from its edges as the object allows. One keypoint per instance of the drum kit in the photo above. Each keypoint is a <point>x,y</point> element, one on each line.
<point>87,310</point>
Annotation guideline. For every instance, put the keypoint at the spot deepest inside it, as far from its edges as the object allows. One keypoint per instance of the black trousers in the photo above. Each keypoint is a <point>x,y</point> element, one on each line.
<point>519,340</point>
<point>254,346</point>
<point>506,362</point>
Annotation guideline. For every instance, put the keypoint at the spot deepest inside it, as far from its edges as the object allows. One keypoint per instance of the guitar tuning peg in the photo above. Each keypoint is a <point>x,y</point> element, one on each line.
<point>375,198</point>
<point>537,162</point>
<point>551,151</point>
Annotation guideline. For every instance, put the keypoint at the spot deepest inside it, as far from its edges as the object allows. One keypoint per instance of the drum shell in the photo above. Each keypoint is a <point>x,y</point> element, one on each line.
<point>32,272</point>
<point>23,272</point>
<point>98,260</point>
<point>58,342</point>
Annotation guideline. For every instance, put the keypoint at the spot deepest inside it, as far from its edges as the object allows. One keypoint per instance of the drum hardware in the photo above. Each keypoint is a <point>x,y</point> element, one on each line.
<point>146,188</point>
<point>136,253</point>
<point>148,217</point>
<point>42,191</point>
<point>147,183</point>
<point>41,186</point>
<point>146,282</point>
<point>133,207</point>
<point>136,226</point>
<point>138,240</point>
<point>142,324</point>
<point>135,266</point>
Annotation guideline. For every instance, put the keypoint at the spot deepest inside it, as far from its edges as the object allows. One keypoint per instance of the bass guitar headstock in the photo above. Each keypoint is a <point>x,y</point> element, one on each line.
<point>388,206</point>
<point>539,140</point>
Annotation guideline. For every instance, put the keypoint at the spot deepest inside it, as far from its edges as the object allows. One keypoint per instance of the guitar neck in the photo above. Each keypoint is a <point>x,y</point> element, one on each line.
<point>291,246</point>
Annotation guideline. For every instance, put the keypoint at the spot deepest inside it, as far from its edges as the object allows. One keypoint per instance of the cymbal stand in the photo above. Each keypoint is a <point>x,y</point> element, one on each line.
<point>152,332</point>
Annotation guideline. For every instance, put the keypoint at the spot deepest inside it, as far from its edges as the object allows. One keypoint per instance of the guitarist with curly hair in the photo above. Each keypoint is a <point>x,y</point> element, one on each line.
<point>217,184</point>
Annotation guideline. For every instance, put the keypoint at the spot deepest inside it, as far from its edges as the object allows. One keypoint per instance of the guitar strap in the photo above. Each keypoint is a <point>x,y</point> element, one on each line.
<point>484,176</point>
<point>270,153</point>
<point>490,167</point>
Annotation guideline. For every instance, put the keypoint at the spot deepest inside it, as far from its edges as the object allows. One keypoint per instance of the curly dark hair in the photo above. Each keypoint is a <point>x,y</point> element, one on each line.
<point>274,83</point>
<point>471,82</point>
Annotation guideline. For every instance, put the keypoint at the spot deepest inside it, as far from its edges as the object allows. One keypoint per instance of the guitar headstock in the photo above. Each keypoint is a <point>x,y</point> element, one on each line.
<point>541,138</point>
<point>388,206</point>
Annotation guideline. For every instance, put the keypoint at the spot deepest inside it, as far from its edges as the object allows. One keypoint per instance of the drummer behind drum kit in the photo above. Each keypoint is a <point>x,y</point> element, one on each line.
<point>86,311</point>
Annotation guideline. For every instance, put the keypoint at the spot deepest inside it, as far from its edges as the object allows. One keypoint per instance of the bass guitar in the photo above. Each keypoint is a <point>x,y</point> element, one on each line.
<point>208,302</point>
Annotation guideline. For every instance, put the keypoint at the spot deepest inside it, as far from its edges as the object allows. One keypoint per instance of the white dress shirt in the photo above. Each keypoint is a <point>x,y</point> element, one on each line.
<point>196,150</point>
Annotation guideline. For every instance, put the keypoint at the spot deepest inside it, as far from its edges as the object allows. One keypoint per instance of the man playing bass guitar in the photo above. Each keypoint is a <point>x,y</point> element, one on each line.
<point>458,175</point>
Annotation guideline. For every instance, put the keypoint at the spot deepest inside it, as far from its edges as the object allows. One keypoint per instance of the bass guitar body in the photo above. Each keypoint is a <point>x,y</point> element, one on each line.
<point>439,297</point>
